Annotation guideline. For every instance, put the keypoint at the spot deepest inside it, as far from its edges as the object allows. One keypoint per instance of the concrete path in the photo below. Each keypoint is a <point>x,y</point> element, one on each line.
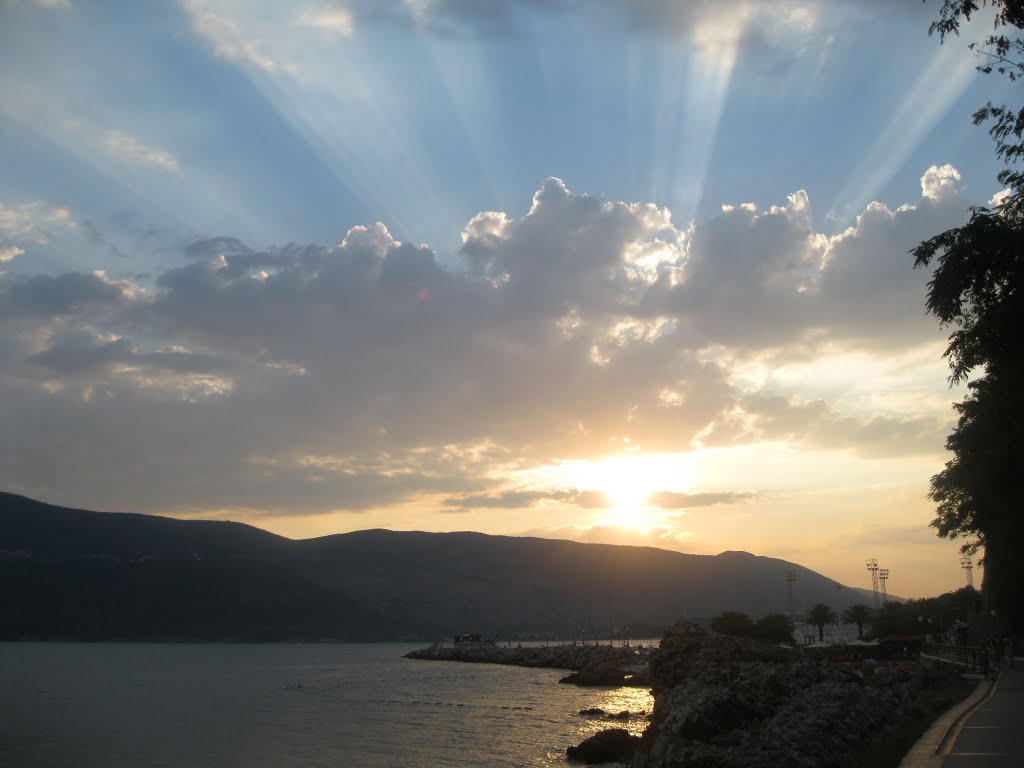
<point>984,731</point>
<point>992,735</point>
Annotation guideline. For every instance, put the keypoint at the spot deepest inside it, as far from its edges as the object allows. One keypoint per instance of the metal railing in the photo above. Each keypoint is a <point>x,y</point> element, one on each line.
<point>968,656</point>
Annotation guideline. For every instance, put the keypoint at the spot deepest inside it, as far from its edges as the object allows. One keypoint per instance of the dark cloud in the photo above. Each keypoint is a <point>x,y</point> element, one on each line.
<point>67,294</point>
<point>75,351</point>
<point>524,499</point>
<point>671,500</point>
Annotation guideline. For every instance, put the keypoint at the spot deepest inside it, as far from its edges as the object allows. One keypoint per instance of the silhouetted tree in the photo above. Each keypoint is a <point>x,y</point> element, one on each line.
<point>733,623</point>
<point>925,616</point>
<point>819,615</point>
<point>900,619</point>
<point>977,290</point>
<point>858,614</point>
<point>774,628</point>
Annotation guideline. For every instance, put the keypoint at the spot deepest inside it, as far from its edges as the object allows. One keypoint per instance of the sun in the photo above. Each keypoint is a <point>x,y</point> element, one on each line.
<point>629,485</point>
<point>631,518</point>
<point>624,491</point>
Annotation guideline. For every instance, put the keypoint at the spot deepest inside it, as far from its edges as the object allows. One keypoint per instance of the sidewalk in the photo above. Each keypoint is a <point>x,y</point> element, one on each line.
<point>993,733</point>
<point>986,731</point>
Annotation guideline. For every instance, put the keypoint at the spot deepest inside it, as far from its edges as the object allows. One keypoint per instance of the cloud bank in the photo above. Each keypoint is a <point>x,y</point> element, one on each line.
<point>307,378</point>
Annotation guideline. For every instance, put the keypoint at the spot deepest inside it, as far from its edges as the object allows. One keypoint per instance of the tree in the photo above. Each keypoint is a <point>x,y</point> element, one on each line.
<point>733,623</point>
<point>819,615</point>
<point>858,614</point>
<point>774,628</point>
<point>976,289</point>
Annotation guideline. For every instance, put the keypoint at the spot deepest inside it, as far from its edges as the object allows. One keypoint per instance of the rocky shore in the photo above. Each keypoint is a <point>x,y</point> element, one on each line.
<point>729,702</point>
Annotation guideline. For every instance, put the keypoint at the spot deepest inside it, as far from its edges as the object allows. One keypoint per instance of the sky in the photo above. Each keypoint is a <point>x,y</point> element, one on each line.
<point>622,271</point>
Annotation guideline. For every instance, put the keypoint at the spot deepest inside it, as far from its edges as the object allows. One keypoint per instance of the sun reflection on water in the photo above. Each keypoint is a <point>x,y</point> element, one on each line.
<point>638,702</point>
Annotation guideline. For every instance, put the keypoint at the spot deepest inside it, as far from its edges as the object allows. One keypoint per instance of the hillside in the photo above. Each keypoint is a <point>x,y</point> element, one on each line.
<point>91,575</point>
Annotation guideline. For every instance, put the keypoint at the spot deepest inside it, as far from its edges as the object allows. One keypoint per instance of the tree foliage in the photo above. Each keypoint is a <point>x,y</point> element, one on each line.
<point>933,616</point>
<point>819,615</point>
<point>774,628</point>
<point>733,623</point>
<point>976,290</point>
<point>858,614</point>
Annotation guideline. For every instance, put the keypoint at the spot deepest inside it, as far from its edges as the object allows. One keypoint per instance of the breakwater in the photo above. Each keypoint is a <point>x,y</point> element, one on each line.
<point>593,664</point>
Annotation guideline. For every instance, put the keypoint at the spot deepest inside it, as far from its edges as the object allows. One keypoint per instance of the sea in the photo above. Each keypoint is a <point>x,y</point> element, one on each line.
<point>128,705</point>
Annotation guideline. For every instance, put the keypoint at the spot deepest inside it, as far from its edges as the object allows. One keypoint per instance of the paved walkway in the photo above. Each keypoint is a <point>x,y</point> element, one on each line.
<point>987,731</point>
<point>992,736</point>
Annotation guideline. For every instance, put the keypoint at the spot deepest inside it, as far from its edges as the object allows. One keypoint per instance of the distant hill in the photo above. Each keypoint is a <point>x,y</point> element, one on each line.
<point>76,574</point>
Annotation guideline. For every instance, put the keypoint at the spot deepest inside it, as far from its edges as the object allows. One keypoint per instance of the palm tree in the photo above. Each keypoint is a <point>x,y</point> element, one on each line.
<point>819,615</point>
<point>858,614</point>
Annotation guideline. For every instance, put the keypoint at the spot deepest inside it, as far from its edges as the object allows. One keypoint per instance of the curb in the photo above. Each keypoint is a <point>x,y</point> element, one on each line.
<point>934,744</point>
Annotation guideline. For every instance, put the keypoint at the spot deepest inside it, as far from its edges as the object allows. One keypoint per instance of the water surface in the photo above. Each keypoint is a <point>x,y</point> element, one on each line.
<point>144,705</point>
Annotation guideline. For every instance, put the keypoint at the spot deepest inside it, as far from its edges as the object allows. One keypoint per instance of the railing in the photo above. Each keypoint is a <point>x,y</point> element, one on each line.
<point>968,656</point>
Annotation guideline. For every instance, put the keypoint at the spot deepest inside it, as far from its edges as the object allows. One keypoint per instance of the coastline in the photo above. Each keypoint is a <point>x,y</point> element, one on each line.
<point>733,702</point>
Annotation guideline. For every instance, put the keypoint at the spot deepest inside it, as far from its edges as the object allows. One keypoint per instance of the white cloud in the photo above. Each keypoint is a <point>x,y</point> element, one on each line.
<point>997,199</point>
<point>127,148</point>
<point>233,42</point>
<point>8,252</point>
<point>334,19</point>
<point>27,222</point>
<point>940,181</point>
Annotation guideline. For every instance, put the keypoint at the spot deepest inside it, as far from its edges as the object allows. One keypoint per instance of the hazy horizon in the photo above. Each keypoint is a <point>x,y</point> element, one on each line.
<point>632,273</point>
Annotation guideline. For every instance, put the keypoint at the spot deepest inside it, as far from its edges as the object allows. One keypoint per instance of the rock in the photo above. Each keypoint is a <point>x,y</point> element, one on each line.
<point>623,715</point>
<point>614,745</point>
<point>731,702</point>
<point>596,674</point>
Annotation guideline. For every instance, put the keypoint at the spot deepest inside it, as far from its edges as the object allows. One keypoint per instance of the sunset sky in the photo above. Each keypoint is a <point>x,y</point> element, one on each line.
<point>630,271</point>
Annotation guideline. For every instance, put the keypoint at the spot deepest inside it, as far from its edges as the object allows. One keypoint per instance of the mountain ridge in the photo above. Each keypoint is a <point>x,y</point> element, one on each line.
<point>117,575</point>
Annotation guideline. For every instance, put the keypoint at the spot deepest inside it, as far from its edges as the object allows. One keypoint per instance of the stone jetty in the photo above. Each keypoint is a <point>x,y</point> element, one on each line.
<point>591,664</point>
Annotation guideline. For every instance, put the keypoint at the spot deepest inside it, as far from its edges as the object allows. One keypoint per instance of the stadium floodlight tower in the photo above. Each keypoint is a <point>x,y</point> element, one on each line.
<point>790,581</point>
<point>883,578</point>
<point>968,566</point>
<point>873,567</point>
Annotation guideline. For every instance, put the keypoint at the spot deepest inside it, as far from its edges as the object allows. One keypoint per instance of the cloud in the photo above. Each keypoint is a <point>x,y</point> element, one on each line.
<point>938,182</point>
<point>997,199</point>
<point>334,19</point>
<point>127,148</point>
<point>8,252</point>
<point>521,499</point>
<point>658,536</point>
<point>232,41</point>
<point>671,500</point>
<point>28,222</point>
<point>318,378</point>
<point>819,424</point>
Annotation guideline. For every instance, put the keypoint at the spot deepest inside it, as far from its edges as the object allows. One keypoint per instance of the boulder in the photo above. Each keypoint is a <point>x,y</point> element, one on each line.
<point>596,674</point>
<point>614,745</point>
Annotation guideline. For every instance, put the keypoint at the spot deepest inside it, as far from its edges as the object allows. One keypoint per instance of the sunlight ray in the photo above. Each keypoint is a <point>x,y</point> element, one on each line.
<point>942,81</point>
<point>464,72</point>
<point>710,75</point>
<point>364,143</point>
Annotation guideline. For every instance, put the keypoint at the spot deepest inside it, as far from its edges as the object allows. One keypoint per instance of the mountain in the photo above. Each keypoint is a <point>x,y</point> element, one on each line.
<point>77,574</point>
